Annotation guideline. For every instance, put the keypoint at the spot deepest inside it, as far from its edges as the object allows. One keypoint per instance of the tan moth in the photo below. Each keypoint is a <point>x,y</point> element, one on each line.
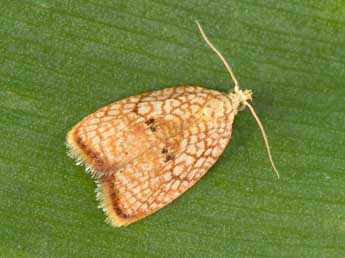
<point>146,150</point>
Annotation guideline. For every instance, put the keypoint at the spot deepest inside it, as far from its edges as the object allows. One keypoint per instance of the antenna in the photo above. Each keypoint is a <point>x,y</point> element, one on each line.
<point>264,136</point>
<point>237,89</point>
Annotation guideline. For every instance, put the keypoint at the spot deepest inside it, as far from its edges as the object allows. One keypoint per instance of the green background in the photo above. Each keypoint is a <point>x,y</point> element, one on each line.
<point>61,60</point>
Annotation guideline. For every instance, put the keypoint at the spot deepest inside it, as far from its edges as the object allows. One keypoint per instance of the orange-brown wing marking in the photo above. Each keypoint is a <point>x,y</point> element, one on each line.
<point>89,140</point>
<point>120,132</point>
<point>124,195</point>
<point>159,176</point>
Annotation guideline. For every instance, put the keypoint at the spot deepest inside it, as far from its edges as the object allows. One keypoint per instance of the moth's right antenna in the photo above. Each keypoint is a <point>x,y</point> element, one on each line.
<point>263,136</point>
<point>236,86</point>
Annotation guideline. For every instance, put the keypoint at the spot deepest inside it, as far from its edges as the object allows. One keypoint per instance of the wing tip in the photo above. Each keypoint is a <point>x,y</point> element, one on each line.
<point>75,151</point>
<point>112,218</point>
<point>102,193</point>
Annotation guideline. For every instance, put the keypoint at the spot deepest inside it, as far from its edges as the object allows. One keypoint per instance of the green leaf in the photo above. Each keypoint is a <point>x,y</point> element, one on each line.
<point>61,60</point>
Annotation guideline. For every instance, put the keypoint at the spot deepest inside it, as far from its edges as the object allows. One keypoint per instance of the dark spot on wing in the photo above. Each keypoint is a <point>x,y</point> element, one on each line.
<point>169,157</point>
<point>150,121</point>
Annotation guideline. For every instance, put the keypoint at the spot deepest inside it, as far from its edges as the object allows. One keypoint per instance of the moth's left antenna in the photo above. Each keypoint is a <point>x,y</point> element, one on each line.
<point>208,42</point>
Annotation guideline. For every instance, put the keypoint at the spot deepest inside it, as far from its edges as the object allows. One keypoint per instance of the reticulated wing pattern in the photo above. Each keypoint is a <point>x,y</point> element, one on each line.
<point>187,144</point>
<point>115,134</point>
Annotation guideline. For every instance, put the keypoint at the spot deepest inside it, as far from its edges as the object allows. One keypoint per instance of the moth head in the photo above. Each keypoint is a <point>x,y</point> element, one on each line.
<point>239,98</point>
<point>243,96</point>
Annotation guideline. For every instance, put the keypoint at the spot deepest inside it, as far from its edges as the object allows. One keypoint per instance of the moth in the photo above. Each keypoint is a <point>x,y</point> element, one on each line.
<point>146,150</point>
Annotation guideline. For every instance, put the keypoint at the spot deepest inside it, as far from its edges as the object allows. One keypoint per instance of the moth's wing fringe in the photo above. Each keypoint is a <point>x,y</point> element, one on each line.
<point>74,151</point>
<point>103,196</point>
<point>102,193</point>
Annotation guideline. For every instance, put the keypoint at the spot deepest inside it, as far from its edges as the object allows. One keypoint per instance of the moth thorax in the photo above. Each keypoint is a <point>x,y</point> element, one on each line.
<point>239,97</point>
<point>214,108</point>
